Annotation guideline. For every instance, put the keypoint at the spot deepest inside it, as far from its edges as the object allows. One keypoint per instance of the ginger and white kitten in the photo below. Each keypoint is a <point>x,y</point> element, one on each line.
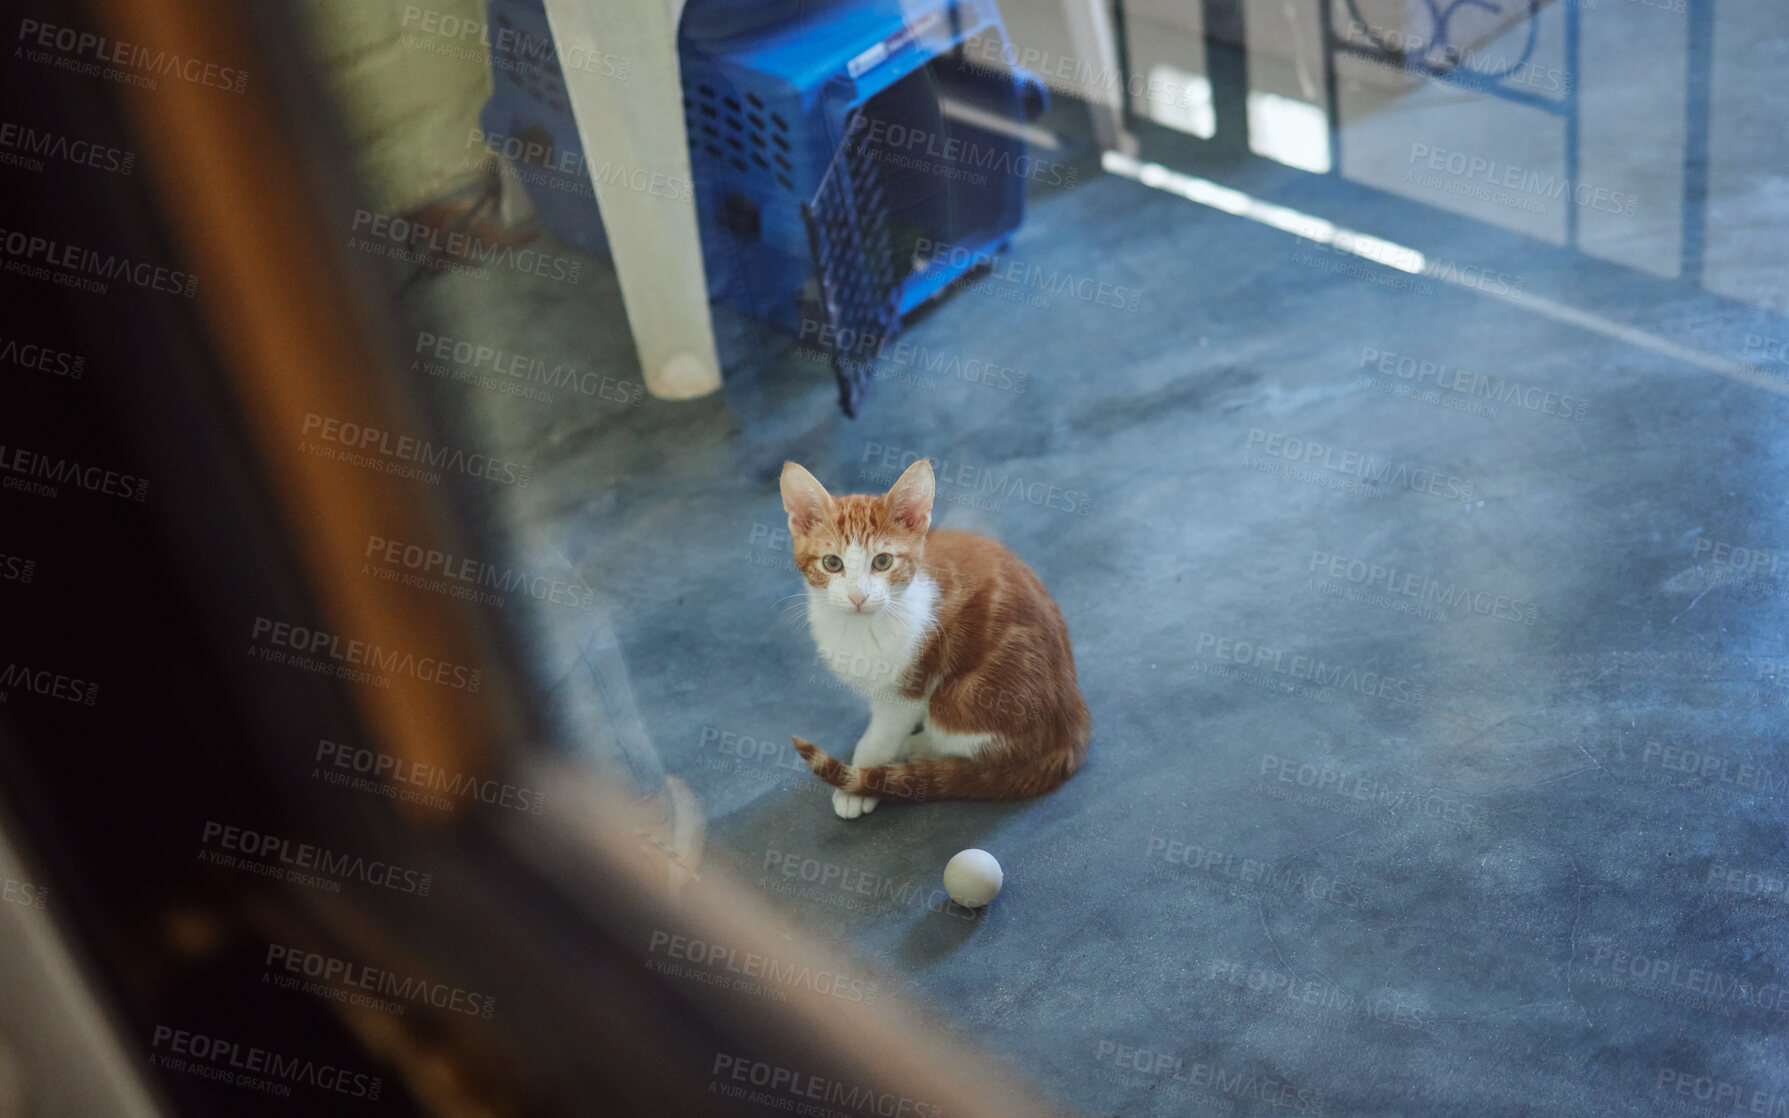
<point>963,655</point>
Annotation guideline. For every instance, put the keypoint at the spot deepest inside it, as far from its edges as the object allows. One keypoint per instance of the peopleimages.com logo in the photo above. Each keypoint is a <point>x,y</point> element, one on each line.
<point>74,266</point>
<point>1308,669</point>
<point>24,893</point>
<point>460,576</point>
<point>782,1088</point>
<point>1306,456</point>
<point>1415,587</point>
<point>902,144</point>
<point>414,236</point>
<point>30,355</point>
<point>1000,266</point>
<point>258,1069</point>
<point>16,568</point>
<point>358,984</point>
<point>517,374</point>
<point>1493,389</point>
<point>863,346</point>
<point>403,455</point>
<point>74,45</point>
<point>507,48</point>
<point>722,960</point>
<point>346,657</point>
<point>235,847</point>
<point>1466,168</point>
<point>1237,1085</point>
<point>1728,1098</point>
<point>24,146</point>
<point>39,474</point>
<point>380,773</point>
<point>960,478</point>
<point>47,684</point>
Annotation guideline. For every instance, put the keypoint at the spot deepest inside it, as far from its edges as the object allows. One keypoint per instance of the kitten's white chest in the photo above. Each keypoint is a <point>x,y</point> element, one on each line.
<point>873,653</point>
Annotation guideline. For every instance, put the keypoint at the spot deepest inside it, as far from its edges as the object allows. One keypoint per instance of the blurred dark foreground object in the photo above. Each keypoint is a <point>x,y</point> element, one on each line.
<point>239,916</point>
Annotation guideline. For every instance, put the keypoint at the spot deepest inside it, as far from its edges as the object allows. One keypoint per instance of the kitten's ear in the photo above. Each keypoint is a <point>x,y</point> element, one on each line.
<point>805,500</point>
<point>909,502</point>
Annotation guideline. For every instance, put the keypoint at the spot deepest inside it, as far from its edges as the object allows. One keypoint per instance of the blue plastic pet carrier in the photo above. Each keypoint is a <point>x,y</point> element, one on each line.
<point>851,159</point>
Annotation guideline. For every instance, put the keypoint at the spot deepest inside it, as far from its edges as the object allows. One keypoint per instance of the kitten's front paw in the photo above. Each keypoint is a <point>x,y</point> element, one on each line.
<point>849,806</point>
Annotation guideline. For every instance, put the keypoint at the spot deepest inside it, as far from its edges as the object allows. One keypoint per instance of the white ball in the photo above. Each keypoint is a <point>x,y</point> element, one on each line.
<point>972,878</point>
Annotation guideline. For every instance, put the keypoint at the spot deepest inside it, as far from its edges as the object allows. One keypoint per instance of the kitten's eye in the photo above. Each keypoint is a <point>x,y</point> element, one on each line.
<point>881,562</point>
<point>833,563</point>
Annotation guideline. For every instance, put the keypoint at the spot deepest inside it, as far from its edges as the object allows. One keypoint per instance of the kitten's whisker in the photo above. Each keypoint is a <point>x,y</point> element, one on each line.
<point>794,610</point>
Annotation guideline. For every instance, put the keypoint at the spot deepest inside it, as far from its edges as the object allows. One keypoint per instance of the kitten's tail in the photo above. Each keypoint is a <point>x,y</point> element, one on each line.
<point>944,778</point>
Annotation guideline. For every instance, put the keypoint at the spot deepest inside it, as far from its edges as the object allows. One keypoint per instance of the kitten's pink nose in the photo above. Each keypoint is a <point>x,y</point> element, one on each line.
<point>858,600</point>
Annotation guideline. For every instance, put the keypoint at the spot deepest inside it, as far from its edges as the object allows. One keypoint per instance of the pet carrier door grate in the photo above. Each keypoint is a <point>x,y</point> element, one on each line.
<point>851,238</point>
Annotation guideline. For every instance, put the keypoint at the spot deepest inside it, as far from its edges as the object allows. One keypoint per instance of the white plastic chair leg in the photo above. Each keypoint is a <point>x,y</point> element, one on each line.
<point>619,59</point>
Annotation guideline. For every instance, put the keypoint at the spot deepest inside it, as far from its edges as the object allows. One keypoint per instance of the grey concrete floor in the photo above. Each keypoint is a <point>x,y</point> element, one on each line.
<point>1336,849</point>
